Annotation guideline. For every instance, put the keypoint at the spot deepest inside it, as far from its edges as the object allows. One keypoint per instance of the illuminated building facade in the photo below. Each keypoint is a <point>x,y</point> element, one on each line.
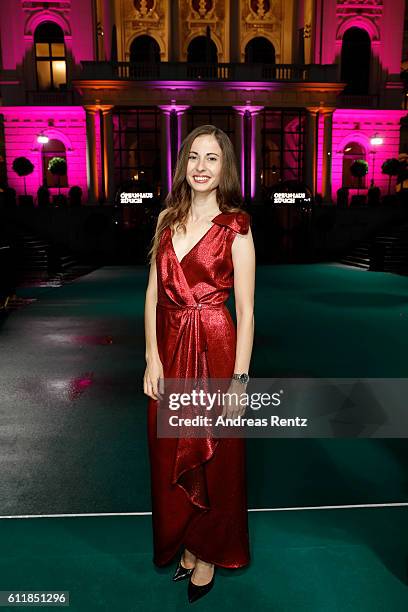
<point>300,86</point>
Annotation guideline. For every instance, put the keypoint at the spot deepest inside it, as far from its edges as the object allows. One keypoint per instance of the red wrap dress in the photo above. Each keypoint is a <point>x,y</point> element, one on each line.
<point>198,485</point>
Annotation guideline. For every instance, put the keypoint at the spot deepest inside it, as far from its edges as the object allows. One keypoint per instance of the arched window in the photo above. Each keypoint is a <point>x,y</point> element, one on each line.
<point>355,61</point>
<point>53,148</point>
<point>50,56</point>
<point>351,152</point>
<point>144,49</point>
<point>259,50</point>
<point>202,50</point>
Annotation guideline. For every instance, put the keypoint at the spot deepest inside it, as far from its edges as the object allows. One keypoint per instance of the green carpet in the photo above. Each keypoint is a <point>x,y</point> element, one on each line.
<point>73,427</point>
<point>314,561</point>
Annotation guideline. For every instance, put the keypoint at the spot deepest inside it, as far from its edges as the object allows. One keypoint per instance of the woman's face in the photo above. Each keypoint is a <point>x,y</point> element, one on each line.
<point>204,164</point>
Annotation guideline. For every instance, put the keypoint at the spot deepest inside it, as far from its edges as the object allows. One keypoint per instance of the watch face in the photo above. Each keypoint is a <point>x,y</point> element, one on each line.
<point>244,378</point>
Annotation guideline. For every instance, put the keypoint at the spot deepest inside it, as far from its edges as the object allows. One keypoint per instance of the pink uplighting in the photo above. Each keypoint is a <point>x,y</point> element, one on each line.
<point>38,109</point>
<point>361,126</point>
<point>22,127</point>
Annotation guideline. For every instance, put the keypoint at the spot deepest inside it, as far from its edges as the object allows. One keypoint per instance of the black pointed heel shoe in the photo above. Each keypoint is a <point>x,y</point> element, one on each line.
<point>182,572</point>
<point>196,592</point>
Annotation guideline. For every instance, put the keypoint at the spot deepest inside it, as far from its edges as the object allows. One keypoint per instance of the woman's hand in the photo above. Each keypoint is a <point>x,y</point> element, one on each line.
<point>153,381</point>
<point>235,405</point>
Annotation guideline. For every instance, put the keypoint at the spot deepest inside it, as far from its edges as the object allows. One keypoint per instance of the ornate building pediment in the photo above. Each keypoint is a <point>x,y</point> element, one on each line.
<point>145,9</point>
<point>262,19</point>
<point>262,11</point>
<point>144,17</point>
<point>202,9</point>
<point>58,12</point>
<point>365,14</point>
<point>196,16</point>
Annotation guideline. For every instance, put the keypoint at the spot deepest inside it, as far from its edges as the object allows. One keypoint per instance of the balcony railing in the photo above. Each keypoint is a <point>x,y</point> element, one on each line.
<point>182,71</point>
<point>50,98</point>
<point>357,101</point>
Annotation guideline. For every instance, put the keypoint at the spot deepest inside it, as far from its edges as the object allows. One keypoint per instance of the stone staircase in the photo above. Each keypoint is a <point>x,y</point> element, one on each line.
<point>358,257</point>
<point>385,252</point>
<point>32,256</point>
<point>41,264</point>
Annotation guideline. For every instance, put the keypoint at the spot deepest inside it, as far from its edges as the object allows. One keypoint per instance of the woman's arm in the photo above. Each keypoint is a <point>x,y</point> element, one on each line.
<point>243,257</point>
<point>154,367</point>
<point>151,350</point>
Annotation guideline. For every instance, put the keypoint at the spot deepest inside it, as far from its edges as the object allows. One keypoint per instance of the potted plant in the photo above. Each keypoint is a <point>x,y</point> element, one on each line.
<point>342,197</point>
<point>10,197</point>
<point>43,196</point>
<point>58,167</point>
<point>23,167</point>
<point>402,179</point>
<point>374,195</point>
<point>358,169</point>
<point>391,167</point>
<point>75,195</point>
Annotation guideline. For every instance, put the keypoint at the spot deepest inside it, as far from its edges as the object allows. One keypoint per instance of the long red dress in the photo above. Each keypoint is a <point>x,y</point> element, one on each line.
<point>198,485</point>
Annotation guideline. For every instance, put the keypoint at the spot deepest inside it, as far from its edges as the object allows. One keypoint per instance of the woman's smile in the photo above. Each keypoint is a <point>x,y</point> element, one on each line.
<point>201,179</point>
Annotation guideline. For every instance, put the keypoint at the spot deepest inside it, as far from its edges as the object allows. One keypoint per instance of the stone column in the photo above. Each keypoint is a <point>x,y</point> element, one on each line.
<point>182,127</point>
<point>256,155</point>
<point>248,143</point>
<point>108,154</point>
<point>239,144</point>
<point>173,128</point>
<point>165,141</point>
<point>91,167</point>
<point>327,156</point>
<point>310,153</point>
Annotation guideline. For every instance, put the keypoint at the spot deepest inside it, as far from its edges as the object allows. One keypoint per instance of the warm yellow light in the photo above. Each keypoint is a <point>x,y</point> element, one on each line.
<point>376,140</point>
<point>42,49</point>
<point>59,73</point>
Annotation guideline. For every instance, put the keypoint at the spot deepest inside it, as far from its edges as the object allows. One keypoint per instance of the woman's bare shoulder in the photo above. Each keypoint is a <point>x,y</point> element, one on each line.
<point>162,214</point>
<point>160,217</point>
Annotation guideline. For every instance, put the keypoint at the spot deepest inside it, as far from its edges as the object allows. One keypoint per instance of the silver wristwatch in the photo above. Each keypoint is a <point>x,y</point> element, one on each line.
<point>243,378</point>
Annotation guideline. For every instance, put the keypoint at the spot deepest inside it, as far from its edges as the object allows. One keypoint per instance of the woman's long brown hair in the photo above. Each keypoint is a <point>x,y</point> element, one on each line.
<point>178,200</point>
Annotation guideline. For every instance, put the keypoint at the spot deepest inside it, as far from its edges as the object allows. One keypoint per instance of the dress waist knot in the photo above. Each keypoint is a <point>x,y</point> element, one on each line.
<point>198,337</point>
<point>198,306</point>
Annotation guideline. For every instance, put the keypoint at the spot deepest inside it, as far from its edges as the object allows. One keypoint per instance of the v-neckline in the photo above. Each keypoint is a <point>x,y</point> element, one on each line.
<point>194,245</point>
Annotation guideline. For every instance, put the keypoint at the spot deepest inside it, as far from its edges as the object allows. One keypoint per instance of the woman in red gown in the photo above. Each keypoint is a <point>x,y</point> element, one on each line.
<point>198,485</point>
